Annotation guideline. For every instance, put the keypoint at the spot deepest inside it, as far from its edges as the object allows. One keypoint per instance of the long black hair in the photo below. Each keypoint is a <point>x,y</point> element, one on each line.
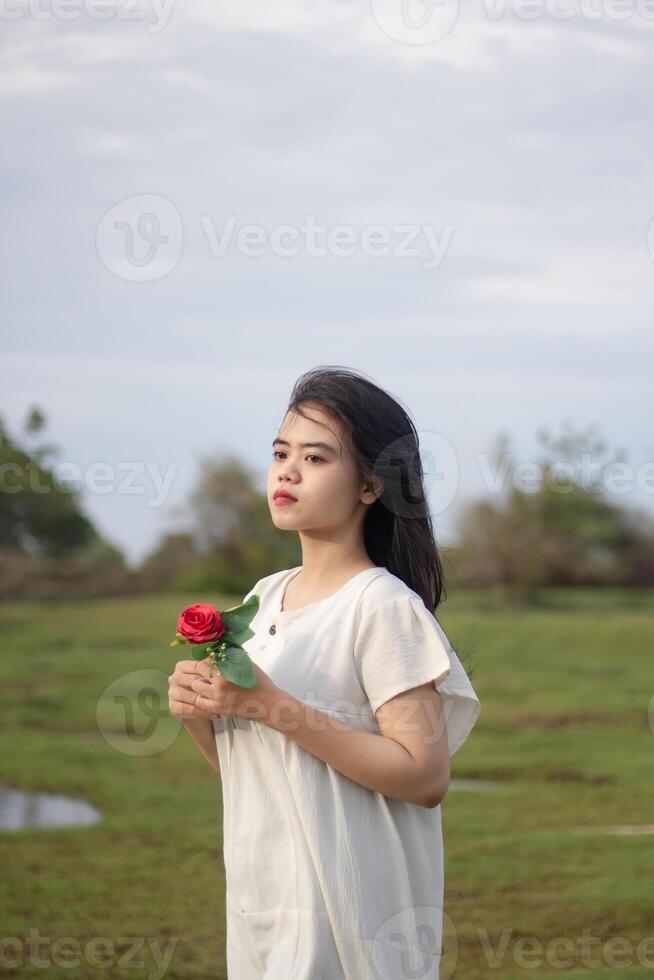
<point>398,531</point>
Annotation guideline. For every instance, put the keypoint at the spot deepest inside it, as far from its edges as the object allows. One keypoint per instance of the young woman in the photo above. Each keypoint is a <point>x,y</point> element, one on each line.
<point>333,768</point>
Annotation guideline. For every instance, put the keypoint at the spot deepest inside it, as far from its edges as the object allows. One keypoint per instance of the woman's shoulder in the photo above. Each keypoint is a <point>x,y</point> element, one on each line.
<point>383,590</point>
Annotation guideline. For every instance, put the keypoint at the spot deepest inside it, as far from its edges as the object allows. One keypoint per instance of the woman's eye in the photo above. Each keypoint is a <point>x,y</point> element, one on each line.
<point>279,452</point>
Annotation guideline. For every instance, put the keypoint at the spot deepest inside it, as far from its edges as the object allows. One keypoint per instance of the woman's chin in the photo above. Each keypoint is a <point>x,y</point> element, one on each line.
<point>284,521</point>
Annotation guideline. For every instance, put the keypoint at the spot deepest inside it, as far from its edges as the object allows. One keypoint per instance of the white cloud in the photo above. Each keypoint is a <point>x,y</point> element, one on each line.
<point>23,68</point>
<point>110,142</point>
<point>584,278</point>
<point>531,140</point>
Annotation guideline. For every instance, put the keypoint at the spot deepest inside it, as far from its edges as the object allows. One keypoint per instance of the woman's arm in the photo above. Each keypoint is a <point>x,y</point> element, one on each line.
<point>181,703</point>
<point>202,733</point>
<point>408,761</point>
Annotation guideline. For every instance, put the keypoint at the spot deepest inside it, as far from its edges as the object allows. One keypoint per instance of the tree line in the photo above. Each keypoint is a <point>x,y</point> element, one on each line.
<point>565,528</point>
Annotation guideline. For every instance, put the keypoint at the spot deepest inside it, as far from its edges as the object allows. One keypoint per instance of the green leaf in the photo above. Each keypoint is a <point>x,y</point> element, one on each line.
<point>238,668</point>
<point>237,639</point>
<point>198,652</point>
<point>236,618</point>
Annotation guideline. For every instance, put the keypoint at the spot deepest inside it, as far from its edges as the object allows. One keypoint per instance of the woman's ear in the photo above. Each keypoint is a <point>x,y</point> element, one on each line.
<point>372,489</point>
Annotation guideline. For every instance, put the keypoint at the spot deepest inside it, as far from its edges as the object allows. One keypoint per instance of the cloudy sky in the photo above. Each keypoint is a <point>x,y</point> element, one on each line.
<point>203,200</point>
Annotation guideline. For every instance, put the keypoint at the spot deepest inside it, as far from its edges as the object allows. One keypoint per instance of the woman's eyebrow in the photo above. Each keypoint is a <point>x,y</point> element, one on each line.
<point>307,445</point>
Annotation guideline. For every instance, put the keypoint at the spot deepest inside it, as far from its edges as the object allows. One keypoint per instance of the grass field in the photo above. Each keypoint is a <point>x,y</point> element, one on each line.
<point>565,690</point>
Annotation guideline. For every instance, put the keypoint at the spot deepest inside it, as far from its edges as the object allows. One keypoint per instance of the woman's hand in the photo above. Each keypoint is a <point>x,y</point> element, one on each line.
<point>214,694</point>
<point>181,696</point>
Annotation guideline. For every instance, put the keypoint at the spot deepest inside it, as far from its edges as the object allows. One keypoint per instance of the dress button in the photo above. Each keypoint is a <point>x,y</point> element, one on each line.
<point>272,629</point>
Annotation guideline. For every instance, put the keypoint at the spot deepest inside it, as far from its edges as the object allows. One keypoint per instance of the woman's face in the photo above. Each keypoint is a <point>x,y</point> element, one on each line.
<point>323,478</point>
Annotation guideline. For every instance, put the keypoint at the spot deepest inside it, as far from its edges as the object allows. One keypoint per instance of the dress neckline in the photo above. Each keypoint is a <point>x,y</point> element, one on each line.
<point>283,615</point>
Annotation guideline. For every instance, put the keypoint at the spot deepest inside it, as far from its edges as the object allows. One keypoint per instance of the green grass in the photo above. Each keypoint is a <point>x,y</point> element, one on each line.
<point>565,688</point>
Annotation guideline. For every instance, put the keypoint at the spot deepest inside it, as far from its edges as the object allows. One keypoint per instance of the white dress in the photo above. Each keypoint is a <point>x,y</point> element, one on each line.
<point>326,879</point>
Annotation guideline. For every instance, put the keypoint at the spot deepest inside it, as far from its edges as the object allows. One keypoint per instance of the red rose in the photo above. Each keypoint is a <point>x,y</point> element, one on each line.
<point>200,623</point>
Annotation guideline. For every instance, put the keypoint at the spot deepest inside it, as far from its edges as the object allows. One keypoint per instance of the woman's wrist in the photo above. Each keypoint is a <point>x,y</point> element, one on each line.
<point>202,732</point>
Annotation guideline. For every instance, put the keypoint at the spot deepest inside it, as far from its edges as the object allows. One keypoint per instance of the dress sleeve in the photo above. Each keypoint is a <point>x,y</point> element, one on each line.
<point>401,645</point>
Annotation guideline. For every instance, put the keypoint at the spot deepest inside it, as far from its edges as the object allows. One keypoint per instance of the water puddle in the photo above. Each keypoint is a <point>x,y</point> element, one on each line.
<point>20,808</point>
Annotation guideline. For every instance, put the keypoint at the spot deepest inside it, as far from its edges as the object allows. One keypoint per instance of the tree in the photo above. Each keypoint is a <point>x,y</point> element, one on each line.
<point>48,547</point>
<point>39,514</point>
<point>234,540</point>
<point>176,553</point>
<point>233,526</point>
<point>563,530</point>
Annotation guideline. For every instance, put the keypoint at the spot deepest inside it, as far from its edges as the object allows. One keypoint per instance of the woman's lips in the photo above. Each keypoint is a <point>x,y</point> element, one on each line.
<point>281,500</point>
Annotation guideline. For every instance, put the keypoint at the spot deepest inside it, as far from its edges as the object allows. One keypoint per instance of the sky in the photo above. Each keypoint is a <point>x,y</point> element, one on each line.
<point>203,200</point>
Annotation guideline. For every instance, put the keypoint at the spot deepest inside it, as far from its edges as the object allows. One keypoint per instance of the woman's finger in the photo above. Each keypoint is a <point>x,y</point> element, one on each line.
<point>185,694</point>
<point>181,710</point>
<point>180,706</point>
<point>186,672</point>
<point>195,667</point>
